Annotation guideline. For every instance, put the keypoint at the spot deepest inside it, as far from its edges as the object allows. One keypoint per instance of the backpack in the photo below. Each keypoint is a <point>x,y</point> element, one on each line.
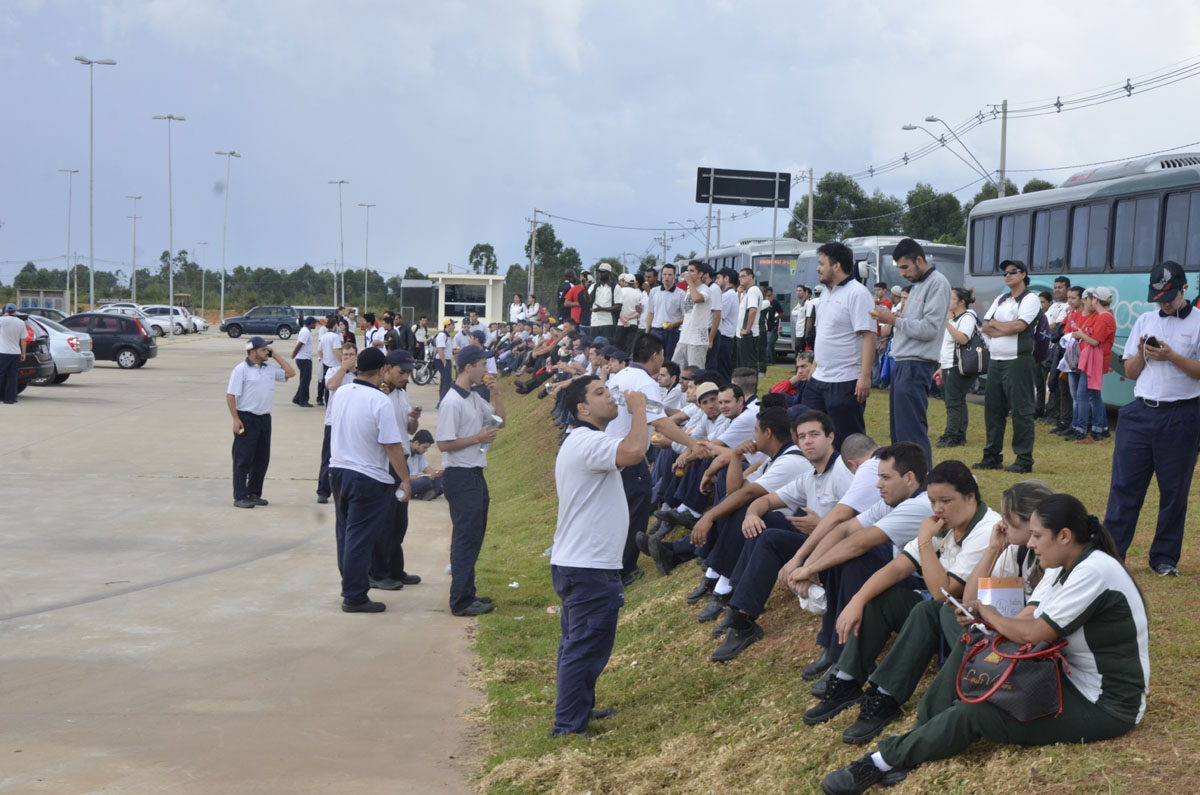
<point>972,357</point>
<point>1039,333</point>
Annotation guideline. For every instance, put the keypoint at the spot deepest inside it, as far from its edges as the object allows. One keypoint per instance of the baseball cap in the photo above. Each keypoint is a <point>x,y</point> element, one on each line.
<point>613,352</point>
<point>310,321</point>
<point>1102,293</point>
<point>601,340</point>
<point>400,358</point>
<point>1015,263</point>
<point>253,344</point>
<point>1166,280</point>
<point>626,278</point>
<point>471,354</point>
<point>707,388</point>
<point>447,322</point>
<point>604,266</point>
<point>10,307</point>
<point>480,335</point>
<point>370,359</point>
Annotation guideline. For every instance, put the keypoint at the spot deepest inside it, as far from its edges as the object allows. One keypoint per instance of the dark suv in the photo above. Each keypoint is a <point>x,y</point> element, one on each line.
<point>278,320</point>
<point>38,363</point>
<point>119,338</point>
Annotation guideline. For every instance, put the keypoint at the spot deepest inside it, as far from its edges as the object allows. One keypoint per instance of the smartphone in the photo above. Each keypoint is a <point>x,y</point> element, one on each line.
<point>1153,342</point>
<point>958,605</point>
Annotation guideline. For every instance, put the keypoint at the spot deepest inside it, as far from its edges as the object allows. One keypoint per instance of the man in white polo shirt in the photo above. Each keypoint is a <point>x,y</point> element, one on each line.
<point>302,354</point>
<point>692,349</point>
<point>365,439</point>
<point>387,561</point>
<point>749,305</point>
<point>666,311</point>
<point>329,345</point>
<point>248,396</point>
<point>589,542</point>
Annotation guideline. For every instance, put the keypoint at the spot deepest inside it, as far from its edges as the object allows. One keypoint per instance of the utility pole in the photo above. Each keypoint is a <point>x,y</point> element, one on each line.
<point>532,252</point>
<point>1003,144</point>
<point>225,226</point>
<point>70,172</point>
<point>133,274</point>
<point>342,239</point>
<point>718,228</point>
<point>366,252</point>
<point>810,205</point>
<point>201,264</point>
<point>664,245</point>
<point>170,117</point>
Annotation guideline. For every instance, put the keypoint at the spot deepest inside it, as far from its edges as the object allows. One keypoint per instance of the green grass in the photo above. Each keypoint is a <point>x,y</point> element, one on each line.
<point>686,725</point>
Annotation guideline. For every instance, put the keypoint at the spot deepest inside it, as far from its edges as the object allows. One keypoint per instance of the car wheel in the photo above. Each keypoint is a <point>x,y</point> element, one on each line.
<point>178,329</point>
<point>283,332</point>
<point>58,379</point>
<point>127,358</point>
<point>141,363</point>
<point>234,331</point>
<point>158,331</point>
<point>48,380</point>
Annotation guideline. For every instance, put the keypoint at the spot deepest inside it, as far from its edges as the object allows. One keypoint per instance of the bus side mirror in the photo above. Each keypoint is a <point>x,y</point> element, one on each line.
<point>864,270</point>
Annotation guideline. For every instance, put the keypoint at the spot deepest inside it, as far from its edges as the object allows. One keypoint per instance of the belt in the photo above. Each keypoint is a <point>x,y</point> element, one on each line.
<point>1167,404</point>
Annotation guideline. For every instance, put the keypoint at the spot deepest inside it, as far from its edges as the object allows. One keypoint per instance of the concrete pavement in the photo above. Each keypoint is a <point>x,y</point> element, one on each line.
<point>153,638</point>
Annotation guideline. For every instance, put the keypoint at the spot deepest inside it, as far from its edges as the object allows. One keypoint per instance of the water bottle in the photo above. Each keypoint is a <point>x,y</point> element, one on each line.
<point>652,406</point>
<point>494,422</point>
<point>399,494</point>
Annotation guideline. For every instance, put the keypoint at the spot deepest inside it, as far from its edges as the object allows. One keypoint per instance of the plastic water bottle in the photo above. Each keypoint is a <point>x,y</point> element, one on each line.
<point>494,422</point>
<point>652,406</point>
<point>399,494</point>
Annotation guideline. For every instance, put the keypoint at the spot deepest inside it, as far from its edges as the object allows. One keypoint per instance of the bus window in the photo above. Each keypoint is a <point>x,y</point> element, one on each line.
<point>1135,233</point>
<point>1079,237</point>
<point>1014,237</point>
<point>1049,239</point>
<point>1181,235</point>
<point>983,246</point>
<point>1097,245</point>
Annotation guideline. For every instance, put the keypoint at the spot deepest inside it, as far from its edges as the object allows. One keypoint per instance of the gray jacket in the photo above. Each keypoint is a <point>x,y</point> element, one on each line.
<point>918,333</point>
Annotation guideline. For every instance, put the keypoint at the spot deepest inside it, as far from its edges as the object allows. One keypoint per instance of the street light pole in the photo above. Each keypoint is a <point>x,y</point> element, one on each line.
<point>90,64</point>
<point>225,226</point>
<point>983,170</point>
<point>198,262</point>
<point>170,117</point>
<point>133,274</point>
<point>70,172</point>
<point>342,238</point>
<point>942,140</point>
<point>366,252</point>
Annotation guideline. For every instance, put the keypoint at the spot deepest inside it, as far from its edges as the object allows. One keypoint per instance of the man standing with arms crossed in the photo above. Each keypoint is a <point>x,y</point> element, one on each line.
<point>465,429</point>
<point>589,541</point>
<point>916,344</point>
<point>248,396</point>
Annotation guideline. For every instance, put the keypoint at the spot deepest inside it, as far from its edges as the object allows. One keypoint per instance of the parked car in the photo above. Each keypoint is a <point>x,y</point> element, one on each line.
<point>38,362</point>
<point>170,314</point>
<point>115,337</point>
<point>199,324</point>
<point>158,325</point>
<point>278,320</point>
<point>70,350</point>
<point>57,315</point>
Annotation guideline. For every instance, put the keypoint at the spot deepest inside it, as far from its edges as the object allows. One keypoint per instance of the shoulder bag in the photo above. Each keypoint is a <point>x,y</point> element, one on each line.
<point>1024,680</point>
<point>971,358</point>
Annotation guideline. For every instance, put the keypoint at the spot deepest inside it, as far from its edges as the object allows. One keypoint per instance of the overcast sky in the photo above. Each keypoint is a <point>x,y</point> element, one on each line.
<point>458,118</point>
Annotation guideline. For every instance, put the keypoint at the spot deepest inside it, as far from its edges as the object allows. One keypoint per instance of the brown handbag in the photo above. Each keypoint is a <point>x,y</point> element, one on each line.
<point>1024,680</point>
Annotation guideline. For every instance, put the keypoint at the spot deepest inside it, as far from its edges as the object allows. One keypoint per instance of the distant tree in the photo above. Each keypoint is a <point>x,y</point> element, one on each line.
<point>988,191</point>
<point>647,262</point>
<point>483,259</point>
<point>841,208</point>
<point>413,273</point>
<point>1035,184</point>
<point>515,281</point>
<point>931,215</point>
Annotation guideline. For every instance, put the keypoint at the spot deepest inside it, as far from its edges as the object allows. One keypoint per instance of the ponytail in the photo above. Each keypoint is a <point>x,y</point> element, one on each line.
<point>1099,537</point>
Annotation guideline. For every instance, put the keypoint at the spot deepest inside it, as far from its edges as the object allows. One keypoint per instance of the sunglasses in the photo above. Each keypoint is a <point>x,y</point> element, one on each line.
<point>1012,272</point>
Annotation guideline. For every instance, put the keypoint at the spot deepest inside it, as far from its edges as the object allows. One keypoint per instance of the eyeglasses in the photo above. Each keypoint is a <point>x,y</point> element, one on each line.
<point>1012,272</point>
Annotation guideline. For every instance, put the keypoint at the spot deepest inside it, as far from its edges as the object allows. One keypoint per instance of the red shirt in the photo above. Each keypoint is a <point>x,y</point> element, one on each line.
<point>573,295</point>
<point>884,304</point>
<point>1102,327</point>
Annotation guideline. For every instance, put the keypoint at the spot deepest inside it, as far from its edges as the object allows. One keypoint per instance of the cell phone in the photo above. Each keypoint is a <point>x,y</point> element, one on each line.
<point>958,605</point>
<point>1153,342</point>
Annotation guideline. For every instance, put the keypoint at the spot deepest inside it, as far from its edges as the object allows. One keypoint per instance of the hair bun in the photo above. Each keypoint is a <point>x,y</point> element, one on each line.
<point>1094,526</point>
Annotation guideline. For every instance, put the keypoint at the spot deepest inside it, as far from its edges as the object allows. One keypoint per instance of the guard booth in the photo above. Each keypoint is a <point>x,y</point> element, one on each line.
<point>461,293</point>
<point>34,298</point>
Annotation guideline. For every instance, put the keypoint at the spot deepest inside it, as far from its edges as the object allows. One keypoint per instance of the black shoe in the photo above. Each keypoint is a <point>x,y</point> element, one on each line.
<point>601,714</point>
<point>320,402</point>
<point>702,590</point>
<point>487,600</point>
<point>985,464</point>
<point>736,641</point>
<point>245,502</point>
<point>632,577</point>
<point>821,687</point>
<point>878,710</point>
<point>476,608</point>
<point>1019,468</point>
<point>673,517</point>
<point>1165,569</point>
<point>725,623</point>
<point>840,694</point>
<point>716,604</point>
<point>817,668</point>
<point>386,584</point>
<point>257,500</point>
<point>322,499</point>
<point>364,607</point>
<point>859,776</point>
<point>664,556</point>
<point>952,443</point>
<point>642,539</point>
<point>413,579</point>
<point>1073,435</point>
<point>305,405</point>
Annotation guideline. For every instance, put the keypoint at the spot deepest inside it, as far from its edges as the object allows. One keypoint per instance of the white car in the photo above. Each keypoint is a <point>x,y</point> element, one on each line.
<point>199,324</point>
<point>183,325</point>
<point>71,351</point>
<point>159,325</point>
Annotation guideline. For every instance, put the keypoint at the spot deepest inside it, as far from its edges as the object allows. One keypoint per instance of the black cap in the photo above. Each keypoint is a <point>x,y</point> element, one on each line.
<point>1015,263</point>
<point>310,321</point>
<point>1166,280</point>
<point>471,354</point>
<point>370,359</point>
<point>400,358</point>
<point>254,343</point>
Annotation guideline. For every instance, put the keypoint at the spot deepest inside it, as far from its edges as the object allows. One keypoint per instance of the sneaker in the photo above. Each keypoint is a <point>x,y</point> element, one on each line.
<point>951,442</point>
<point>322,499</point>
<point>244,503</point>
<point>1165,570</point>
<point>476,608</point>
<point>1019,468</point>
<point>364,607</point>
<point>1073,435</point>
<point>736,641</point>
<point>664,556</point>
<point>702,590</point>
<point>878,710</point>
<point>986,464</point>
<point>716,604</point>
<point>385,584</point>
<point>859,776</point>
<point>818,667</point>
<point>840,694</point>
<point>257,500</point>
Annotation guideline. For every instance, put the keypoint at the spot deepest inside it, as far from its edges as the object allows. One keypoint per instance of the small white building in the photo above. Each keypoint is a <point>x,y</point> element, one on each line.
<point>461,293</point>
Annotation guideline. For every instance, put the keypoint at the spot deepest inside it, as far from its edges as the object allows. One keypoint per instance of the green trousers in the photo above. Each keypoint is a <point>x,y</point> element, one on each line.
<point>941,692</point>
<point>746,352</point>
<point>920,639</point>
<point>1010,390</point>
<point>954,389</point>
<point>882,616</point>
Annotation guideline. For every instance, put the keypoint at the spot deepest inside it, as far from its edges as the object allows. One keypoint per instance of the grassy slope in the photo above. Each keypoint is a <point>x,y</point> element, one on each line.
<point>686,725</point>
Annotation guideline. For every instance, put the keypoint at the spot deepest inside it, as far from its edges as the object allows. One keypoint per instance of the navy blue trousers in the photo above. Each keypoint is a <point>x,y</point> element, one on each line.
<point>687,490</point>
<point>669,338</point>
<point>10,363</point>
<point>841,583</point>
<point>684,549</point>
<point>591,599</point>
<point>305,368</point>
<point>468,499</point>
<point>662,476</point>
<point>361,506</point>
<point>387,557</point>
<point>637,494</point>
<point>838,401</point>
<point>251,455</point>
<point>423,483</point>
<point>445,379</point>
<point>908,403</point>
<point>323,489</point>
<point>762,558</point>
<point>1158,442</point>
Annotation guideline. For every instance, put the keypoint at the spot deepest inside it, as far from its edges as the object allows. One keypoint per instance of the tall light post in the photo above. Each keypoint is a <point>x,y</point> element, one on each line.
<point>170,117</point>
<point>342,238</point>
<point>942,140</point>
<point>90,64</point>
<point>366,252</point>
<point>225,225</point>
<point>133,274</point>
<point>986,173</point>
<point>70,172</point>
<point>199,262</point>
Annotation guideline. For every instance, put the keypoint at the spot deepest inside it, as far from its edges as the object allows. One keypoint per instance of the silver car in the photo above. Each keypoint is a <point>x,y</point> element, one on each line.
<point>165,313</point>
<point>158,325</point>
<point>71,351</point>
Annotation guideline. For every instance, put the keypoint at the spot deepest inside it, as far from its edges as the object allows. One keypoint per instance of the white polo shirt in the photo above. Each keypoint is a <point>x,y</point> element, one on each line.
<point>729,313</point>
<point>329,373</point>
<point>965,324</point>
<point>845,313</point>
<point>959,558</point>
<point>399,401</point>
<point>603,295</point>
<point>864,488</point>
<point>328,346</point>
<point>442,343</point>
<point>667,306</point>
<point>462,414</point>
<point>634,378</point>
<point>12,331</point>
<point>899,524</point>
<point>254,386</point>
<point>787,467</point>
<point>593,513</point>
<point>741,427</point>
<point>750,299</point>
<point>362,422</point>
<point>306,344</point>
<point>1004,309</point>
<point>697,317</point>
<point>815,491</point>
<point>1163,380</point>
